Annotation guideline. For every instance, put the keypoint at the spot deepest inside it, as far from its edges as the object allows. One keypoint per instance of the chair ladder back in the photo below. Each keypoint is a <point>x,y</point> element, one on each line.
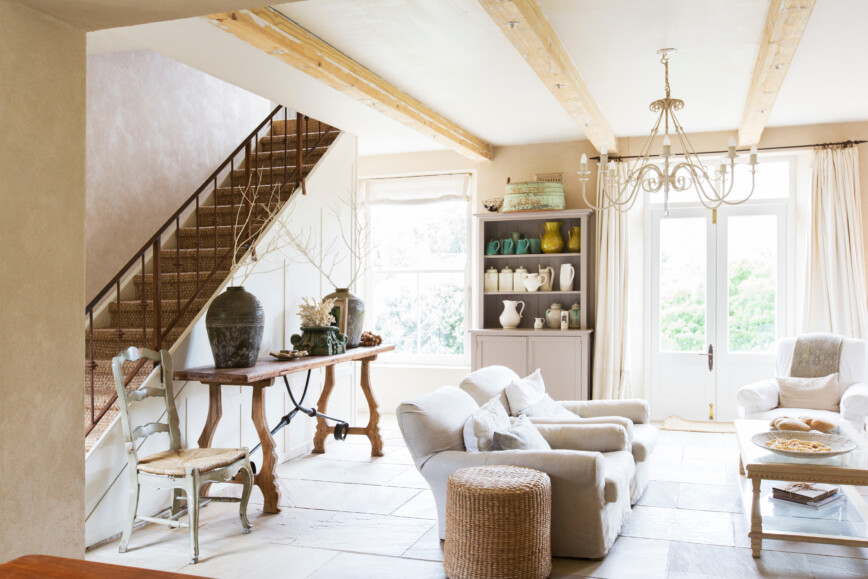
<point>126,398</point>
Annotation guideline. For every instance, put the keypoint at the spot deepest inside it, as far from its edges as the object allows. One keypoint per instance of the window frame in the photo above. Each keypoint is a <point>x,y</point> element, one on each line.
<point>416,359</point>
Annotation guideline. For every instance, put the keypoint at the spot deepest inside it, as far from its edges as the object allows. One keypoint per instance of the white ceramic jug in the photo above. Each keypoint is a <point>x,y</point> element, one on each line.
<point>534,281</point>
<point>505,281</point>
<point>518,279</point>
<point>550,277</point>
<point>568,272</point>
<point>538,323</point>
<point>491,279</point>
<point>511,316</point>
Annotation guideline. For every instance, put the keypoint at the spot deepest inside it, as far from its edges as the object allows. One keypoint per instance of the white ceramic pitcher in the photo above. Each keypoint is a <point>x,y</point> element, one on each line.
<point>534,281</point>
<point>511,316</point>
<point>550,277</point>
<point>565,281</point>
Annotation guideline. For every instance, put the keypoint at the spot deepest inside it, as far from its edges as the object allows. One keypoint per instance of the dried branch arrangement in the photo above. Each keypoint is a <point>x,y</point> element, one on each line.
<point>353,243</point>
<point>260,205</point>
<point>315,314</point>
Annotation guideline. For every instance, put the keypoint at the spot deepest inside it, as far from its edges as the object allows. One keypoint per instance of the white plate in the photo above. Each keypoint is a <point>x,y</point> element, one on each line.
<point>838,444</point>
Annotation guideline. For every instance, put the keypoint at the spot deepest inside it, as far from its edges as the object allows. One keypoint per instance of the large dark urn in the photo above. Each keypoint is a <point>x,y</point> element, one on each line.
<point>235,322</point>
<point>355,315</point>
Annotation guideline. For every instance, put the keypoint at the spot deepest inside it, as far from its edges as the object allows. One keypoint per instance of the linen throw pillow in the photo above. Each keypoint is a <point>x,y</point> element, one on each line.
<point>479,428</point>
<point>548,408</point>
<point>525,392</point>
<point>522,435</point>
<point>814,393</point>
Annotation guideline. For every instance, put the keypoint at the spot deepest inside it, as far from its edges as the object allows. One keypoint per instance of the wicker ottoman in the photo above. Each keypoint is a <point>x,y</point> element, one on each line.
<point>498,523</point>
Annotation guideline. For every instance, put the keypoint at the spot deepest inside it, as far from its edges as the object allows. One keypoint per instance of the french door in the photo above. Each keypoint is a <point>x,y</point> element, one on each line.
<point>718,296</point>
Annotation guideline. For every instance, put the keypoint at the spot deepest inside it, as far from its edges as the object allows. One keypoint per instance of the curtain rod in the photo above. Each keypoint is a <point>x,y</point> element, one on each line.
<point>446,174</point>
<point>820,145</point>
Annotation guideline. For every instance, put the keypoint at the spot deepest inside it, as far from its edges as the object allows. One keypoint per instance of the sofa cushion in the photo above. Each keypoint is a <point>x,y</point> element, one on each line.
<point>525,392</point>
<point>480,426</point>
<point>548,408</point>
<point>486,383</point>
<point>434,422</point>
<point>644,441</point>
<point>522,435</point>
<point>820,393</point>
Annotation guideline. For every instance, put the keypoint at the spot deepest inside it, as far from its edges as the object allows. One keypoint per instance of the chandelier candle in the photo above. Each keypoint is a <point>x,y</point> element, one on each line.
<point>687,171</point>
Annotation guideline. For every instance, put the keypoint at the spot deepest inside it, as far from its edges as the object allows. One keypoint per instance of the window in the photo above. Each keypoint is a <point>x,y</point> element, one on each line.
<point>418,282</point>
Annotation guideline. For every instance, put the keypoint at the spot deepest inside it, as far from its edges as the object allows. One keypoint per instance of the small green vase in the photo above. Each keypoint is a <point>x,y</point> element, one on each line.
<point>320,341</point>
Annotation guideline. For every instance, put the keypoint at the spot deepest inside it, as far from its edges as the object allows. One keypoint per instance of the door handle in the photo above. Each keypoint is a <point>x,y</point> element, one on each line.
<point>710,355</point>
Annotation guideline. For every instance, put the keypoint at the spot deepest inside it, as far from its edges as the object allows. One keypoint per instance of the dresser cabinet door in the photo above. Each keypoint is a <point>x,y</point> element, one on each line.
<point>503,351</point>
<point>563,362</point>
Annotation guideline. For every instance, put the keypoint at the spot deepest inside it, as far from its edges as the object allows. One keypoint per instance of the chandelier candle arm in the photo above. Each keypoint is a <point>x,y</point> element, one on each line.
<point>645,175</point>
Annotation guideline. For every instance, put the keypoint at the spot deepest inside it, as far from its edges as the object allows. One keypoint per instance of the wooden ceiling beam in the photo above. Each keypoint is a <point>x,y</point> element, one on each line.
<point>785,24</point>
<point>526,27</point>
<point>274,33</point>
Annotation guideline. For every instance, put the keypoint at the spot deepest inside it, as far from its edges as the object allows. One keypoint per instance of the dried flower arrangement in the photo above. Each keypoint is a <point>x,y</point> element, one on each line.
<point>315,314</point>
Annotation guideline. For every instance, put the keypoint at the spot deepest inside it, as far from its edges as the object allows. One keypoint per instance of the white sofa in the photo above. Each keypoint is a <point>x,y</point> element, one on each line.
<point>760,399</point>
<point>634,415</point>
<point>589,465</point>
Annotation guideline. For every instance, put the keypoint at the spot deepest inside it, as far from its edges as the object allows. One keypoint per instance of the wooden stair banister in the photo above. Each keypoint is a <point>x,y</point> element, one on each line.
<point>194,269</point>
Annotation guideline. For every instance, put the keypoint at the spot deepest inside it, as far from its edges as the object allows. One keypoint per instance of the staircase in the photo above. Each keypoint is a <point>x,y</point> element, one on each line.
<point>162,289</point>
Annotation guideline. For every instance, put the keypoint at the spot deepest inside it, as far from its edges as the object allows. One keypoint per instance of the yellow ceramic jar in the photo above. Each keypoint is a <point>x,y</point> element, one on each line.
<point>574,243</point>
<point>552,242</point>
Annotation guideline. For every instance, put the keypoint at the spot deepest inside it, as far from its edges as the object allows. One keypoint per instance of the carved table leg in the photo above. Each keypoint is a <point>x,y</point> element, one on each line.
<point>265,478</point>
<point>373,428</point>
<point>756,519</point>
<point>322,429</point>
<point>215,411</point>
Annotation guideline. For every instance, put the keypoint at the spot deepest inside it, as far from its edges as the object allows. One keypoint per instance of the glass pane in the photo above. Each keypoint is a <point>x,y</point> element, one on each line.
<point>682,284</point>
<point>752,267</point>
<point>441,313</point>
<point>394,307</point>
<point>419,235</point>
<point>772,182</point>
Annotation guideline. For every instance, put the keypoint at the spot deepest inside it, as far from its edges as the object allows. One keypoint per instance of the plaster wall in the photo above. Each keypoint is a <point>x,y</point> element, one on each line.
<point>279,281</point>
<point>156,129</point>
<point>42,151</point>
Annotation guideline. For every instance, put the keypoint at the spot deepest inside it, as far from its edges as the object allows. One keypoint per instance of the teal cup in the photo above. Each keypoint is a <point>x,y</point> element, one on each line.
<point>493,247</point>
<point>508,246</point>
<point>522,246</point>
<point>535,245</point>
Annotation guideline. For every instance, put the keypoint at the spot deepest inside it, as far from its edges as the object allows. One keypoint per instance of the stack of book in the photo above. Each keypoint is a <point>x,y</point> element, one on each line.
<point>813,495</point>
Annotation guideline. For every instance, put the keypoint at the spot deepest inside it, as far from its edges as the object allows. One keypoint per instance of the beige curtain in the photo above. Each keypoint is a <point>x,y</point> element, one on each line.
<point>835,291</point>
<point>611,341</point>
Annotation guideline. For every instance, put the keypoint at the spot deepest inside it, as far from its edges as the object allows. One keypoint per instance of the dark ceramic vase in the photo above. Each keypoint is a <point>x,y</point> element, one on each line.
<point>355,315</point>
<point>320,341</point>
<point>235,322</point>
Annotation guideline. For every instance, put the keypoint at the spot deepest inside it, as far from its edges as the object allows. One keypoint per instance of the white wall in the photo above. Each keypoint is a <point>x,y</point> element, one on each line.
<point>280,291</point>
<point>156,129</point>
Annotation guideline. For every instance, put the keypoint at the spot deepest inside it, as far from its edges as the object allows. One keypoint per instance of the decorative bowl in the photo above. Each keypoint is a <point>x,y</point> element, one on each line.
<point>493,204</point>
<point>838,444</point>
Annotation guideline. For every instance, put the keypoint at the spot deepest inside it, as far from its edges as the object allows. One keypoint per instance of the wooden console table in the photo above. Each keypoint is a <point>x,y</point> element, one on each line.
<point>261,376</point>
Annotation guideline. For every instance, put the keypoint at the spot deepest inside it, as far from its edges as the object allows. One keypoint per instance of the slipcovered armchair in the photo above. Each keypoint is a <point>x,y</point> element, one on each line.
<point>760,400</point>
<point>634,415</point>
<point>589,466</point>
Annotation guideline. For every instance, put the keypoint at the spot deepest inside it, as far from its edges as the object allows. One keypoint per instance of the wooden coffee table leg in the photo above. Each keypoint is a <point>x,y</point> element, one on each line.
<point>756,519</point>
<point>265,477</point>
<point>322,429</point>
<point>215,411</point>
<point>373,428</point>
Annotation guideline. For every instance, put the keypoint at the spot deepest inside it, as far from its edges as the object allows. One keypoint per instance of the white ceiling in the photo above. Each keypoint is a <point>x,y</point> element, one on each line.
<point>451,56</point>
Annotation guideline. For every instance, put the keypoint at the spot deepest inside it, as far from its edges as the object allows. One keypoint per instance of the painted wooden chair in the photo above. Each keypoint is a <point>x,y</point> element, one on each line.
<point>178,469</point>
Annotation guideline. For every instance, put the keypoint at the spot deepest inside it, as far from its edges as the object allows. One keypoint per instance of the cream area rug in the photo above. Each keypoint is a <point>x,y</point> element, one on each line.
<point>678,423</point>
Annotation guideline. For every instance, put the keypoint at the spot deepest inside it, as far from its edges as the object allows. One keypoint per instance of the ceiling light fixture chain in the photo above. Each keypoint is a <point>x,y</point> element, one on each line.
<point>713,188</point>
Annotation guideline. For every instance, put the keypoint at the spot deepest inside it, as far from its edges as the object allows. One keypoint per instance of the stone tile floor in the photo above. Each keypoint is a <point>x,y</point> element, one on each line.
<point>349,515</point>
